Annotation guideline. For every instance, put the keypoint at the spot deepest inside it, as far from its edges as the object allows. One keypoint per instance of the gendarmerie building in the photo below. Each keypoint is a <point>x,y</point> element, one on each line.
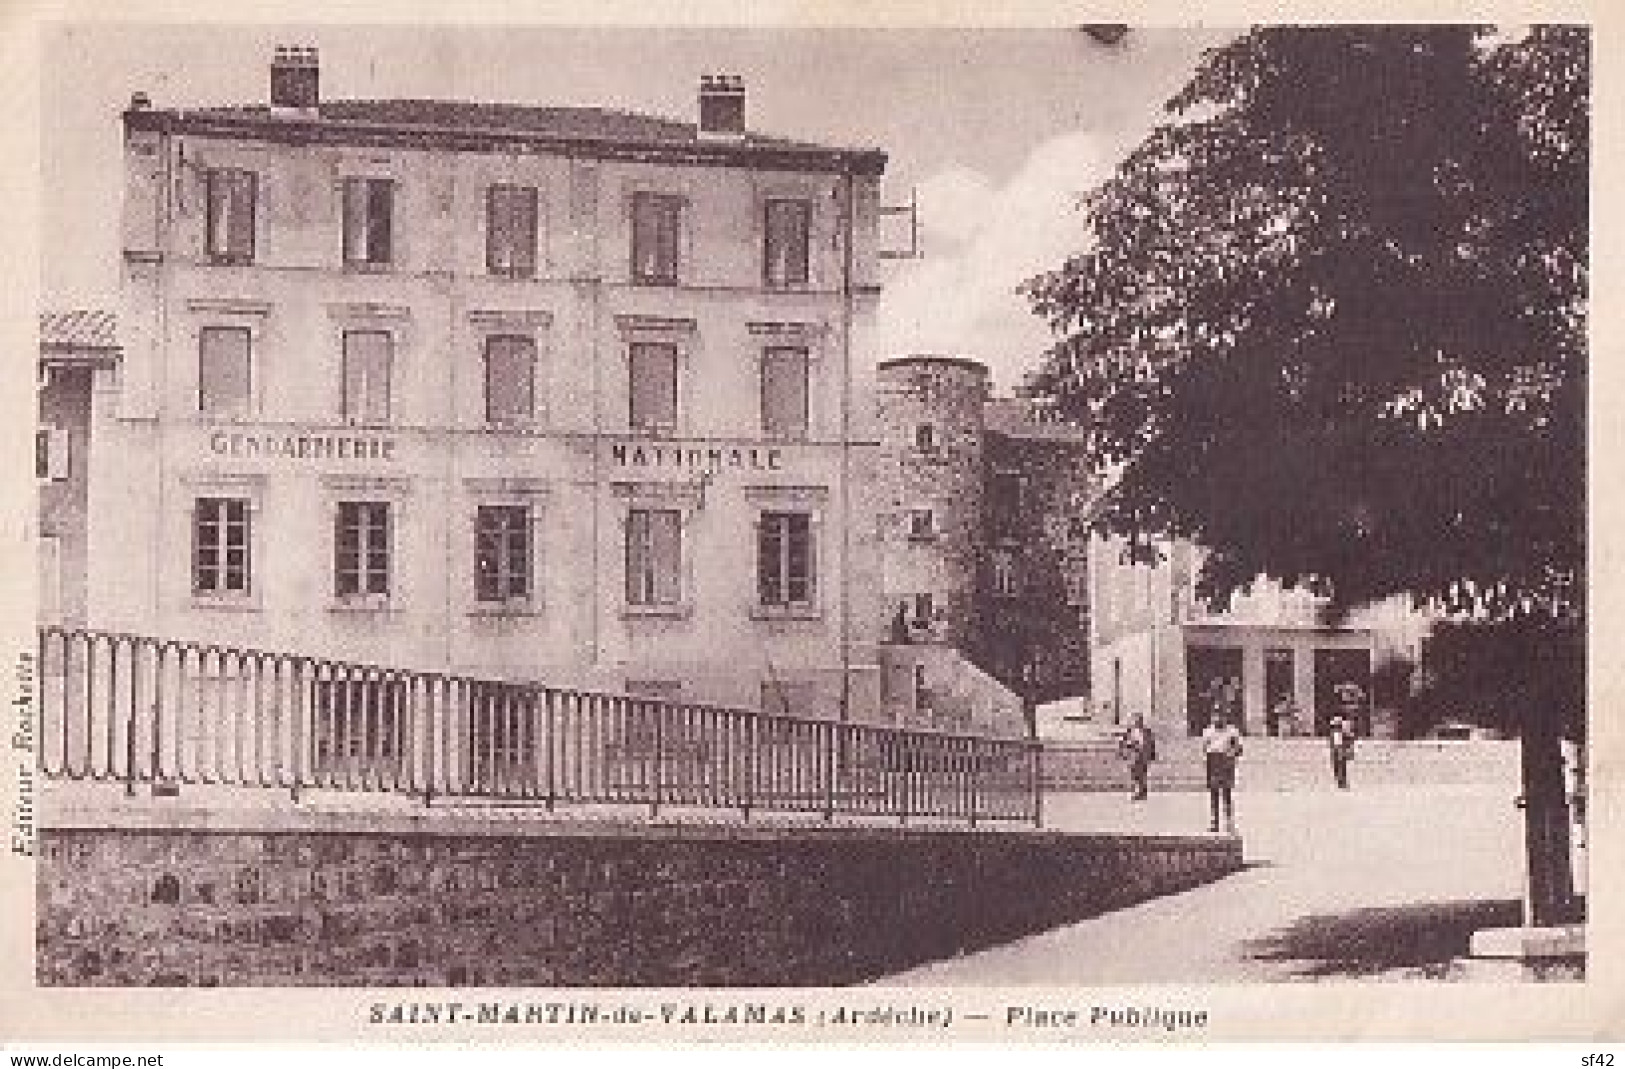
<point>548,393</point>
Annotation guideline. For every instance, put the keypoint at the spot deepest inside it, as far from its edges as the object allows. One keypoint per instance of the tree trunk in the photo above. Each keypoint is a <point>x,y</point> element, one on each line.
<point>1546,827</point>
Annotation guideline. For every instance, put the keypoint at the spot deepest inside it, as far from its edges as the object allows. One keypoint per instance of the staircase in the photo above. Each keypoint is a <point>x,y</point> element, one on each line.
<point>933,685</point>
<point>1285,764</point>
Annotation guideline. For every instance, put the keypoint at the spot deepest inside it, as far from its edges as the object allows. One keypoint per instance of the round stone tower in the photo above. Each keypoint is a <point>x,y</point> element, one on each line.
<point>930,494</point>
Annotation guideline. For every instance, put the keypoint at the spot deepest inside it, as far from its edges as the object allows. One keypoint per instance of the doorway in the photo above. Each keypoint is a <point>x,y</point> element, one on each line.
<point>1212,684</point>
<point>1280,685</point>
<point>1343,682</point>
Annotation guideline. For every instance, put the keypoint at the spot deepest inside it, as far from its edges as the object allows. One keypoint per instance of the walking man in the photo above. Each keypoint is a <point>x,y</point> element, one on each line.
<point>1139,748</point>
<point>1340,736</point>
<point>1221,747</point>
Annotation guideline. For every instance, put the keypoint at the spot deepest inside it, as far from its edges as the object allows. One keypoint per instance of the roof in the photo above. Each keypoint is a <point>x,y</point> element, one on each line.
<point>963,363</point>
<point>473,125</point>
<point>93,330</point>
<point>1018,417</point>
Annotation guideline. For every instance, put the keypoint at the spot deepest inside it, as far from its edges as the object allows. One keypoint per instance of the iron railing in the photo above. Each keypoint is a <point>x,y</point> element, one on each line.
<point>134,709</point>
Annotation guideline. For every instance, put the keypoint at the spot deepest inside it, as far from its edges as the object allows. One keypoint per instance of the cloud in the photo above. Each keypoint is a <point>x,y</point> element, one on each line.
<point>980,242</point>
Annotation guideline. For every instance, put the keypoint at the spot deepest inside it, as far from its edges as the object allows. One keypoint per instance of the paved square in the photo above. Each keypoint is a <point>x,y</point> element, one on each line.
<point>1379,883</point>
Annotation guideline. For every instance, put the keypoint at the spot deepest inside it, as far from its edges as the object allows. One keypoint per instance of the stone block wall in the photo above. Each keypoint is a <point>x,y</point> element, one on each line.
<point>674,906</point>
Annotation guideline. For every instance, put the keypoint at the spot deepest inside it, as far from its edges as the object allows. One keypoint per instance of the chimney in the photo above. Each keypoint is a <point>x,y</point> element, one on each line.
<point>140,101</point>
<point>722,107</point>
<point>295,80</point>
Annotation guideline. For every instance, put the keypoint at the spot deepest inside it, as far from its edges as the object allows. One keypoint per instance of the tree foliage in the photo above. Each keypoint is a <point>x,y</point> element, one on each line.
<point>1331,324</point>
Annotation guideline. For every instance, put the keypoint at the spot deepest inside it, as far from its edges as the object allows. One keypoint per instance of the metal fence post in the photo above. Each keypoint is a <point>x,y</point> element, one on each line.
<point>549,729</point>
<point>831,735</point>
<point>660,751</point>
<point>130,720</point>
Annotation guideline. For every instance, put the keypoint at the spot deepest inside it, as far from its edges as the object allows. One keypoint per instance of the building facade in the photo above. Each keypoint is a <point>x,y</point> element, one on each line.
<point>560,394</point>
<point>982,551</point>
<point>78,362</point>
<point>1266,659</point>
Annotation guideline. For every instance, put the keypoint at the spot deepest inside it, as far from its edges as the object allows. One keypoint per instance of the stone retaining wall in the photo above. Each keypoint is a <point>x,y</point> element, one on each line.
<point>619,906</point>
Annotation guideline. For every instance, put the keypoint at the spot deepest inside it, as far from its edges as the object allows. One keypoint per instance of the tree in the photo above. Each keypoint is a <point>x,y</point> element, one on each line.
<point>1334,329</point>
<point>1332,322</point>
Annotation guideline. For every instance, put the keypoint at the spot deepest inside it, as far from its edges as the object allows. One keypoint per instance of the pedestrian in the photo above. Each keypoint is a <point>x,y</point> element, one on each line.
<point>1340,738</point>
<point>1138,747</point>
<point>1221,747</point>
<point>1283,718</point>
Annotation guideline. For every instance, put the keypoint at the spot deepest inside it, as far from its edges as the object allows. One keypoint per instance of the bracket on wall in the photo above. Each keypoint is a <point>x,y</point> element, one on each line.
<point>897,211</point>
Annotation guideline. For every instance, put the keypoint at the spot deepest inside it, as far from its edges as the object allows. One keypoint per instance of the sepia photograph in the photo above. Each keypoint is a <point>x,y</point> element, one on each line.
<point>521,510</point>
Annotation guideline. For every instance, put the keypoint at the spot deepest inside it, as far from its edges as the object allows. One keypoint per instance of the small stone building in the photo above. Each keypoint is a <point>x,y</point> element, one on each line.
<point>78,362</point>
<point>982,544</point>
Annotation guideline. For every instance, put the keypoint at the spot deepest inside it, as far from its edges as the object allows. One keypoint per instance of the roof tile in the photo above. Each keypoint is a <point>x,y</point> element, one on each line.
<point>79,328</point>
<point>588,123</point>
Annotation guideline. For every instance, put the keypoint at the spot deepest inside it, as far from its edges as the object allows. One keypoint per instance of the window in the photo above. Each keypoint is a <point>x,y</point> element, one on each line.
<point>1007,503</point>
<point>1005,583</point>
<point>229,227</point>
<point>224,371</point>
<point>784,393</point>
<point>502,553</point>
<point>51,459</point>
<point>510,378</point>
<point>653,370</point>
<point>368,216</point>
<point>653,557</point>
<point>787,226</point>
<point>925,438</point>
<point>1006,493</point>
<point>784,560</point>
<point>510,231</point>
<point>655,221</point>
<point>666,690</point>
<point>361,549</point>
<point>922,524</point>
<point>367,358</point>
<point>785,698</point>
<point>220,546</point>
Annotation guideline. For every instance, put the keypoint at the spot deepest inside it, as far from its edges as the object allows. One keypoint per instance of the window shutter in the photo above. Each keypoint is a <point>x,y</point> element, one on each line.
<point>224,371</point>
<point>784,392</point>
<point>670,557</point>
<point>521,547</point>
<point>368,355</point>
<point>355,220</point>
<point>216,216</point>
<point>653,371</point>
<point>637,558</point>
<point>511,229</point>
<point>802,563</point>
<point>769,549</point>
<point>510,378</point>
<point>496,248</point>
<point>242,189</point>
<point>380,220</point>
<point>524,250</point>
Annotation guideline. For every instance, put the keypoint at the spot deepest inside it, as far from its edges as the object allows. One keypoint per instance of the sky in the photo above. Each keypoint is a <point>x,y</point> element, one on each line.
<point>998,132</point>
